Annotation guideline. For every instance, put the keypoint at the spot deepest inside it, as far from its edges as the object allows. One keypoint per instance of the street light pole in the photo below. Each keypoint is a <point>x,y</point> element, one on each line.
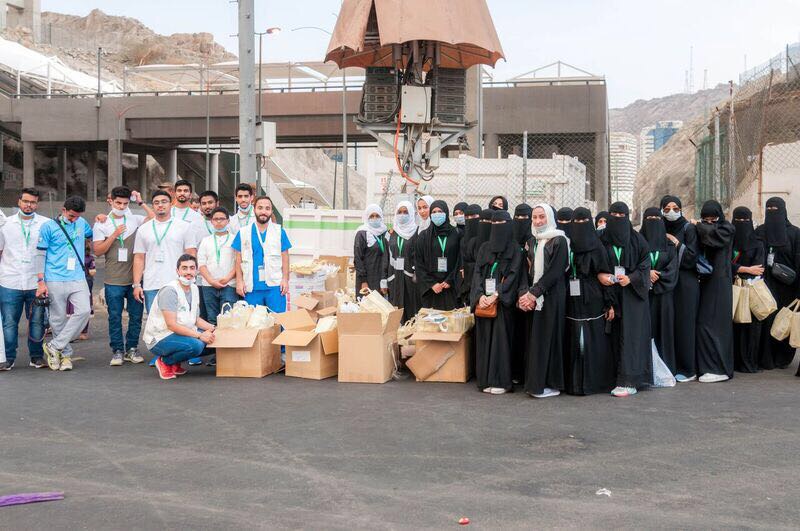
<point>345,187</point>
<point>269,31</point>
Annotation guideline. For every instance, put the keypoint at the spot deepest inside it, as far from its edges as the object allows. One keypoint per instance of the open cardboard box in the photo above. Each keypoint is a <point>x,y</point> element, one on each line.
<point>366,346</point>
<point>441,357</point>
<point>338,281</point>
<point>247,353</point>
<point>317,303</point>
<point>308,354</point>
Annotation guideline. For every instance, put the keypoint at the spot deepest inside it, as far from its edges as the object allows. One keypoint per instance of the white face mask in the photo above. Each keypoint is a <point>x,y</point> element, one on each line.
<point>186,281</point>
<point>117,212</point>
<point>459,219</point>
<point>672,215</point>
<point>244,209</point>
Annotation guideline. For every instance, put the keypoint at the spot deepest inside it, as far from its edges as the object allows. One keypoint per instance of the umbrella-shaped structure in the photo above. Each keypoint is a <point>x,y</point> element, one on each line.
<point>368,33</point>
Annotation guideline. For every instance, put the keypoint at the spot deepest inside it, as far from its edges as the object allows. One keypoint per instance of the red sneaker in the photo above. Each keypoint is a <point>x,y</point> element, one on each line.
<point>178,370</point>
<point>166,372</point>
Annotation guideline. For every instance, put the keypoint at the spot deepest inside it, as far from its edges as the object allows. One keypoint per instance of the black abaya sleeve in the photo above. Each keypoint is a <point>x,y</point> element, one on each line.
<point>423,254</point>
<point>689,249</point>
<point>555,270</point>
<point>668,274</point>
<point>511,282</point>
<point>453,253</point>
<point>359,255</point>
<point>476,289</point>
<point>715,235</point>
<point>640,276</point>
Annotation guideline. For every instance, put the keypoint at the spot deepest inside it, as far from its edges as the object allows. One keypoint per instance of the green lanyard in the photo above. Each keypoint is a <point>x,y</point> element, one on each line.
<point>185,213</point>
<point>217,247</point>
<point>654,259</point>
<point>74,230</point>
<point>25,235</point>
<point>400,243</point>
<point>494,268</point>
<point>442,243</point>
<point>572,265</point>
<point>208,227</point>
<point>735,256</point>
<point>380,242</point>
<point>618,254</point>
<point>124,222</point>
<point>163,235</point>
<point>246,218</point>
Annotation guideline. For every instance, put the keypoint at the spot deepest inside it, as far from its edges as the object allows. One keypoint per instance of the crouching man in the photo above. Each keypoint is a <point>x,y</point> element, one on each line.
<point>174,331</point>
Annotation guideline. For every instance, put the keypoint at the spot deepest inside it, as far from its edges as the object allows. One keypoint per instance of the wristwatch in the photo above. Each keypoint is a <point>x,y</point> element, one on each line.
<point>137,286</point>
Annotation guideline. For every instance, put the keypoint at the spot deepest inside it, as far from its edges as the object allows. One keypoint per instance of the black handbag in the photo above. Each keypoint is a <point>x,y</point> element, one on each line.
<point>784,274</point>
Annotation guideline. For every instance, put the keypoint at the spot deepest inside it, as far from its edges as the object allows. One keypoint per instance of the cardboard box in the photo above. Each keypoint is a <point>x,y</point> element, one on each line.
<point>338,281</point>
<point>247,353</point>
<point>366,346</point>
<point>308,354</point>
<point>317,303</point>
<point>441,357</point>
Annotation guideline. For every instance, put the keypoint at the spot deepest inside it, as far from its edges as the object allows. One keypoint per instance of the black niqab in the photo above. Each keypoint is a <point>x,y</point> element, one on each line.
<point>618,229</point>
<point>654,230</point>
<point>484,229</point>
<point>564,220</point>
<point>522,227</point>
<point>712,209</point>
<point>471,225</point>
<point>776,222</point>
<point>584,235</point>
<point>743,239</point>
<point>501,233</point>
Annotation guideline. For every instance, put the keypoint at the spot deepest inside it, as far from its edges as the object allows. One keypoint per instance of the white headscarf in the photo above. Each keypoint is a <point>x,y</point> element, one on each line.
<point>372,233</point>
<point>424,223</point>
<point>544,234</point>
<point>405,230</point>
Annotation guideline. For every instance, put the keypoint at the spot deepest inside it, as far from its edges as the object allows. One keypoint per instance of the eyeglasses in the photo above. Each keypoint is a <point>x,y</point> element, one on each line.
<point>27,202</point>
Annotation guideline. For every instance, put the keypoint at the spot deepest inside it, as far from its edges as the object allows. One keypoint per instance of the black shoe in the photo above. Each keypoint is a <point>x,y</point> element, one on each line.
<point>6,366</point>
<point>37,363</point>
<point>212,362</point>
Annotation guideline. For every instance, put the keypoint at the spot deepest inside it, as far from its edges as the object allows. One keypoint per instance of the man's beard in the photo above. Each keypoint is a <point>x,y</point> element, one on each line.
<point>262,219</point>
<point>182,199</point>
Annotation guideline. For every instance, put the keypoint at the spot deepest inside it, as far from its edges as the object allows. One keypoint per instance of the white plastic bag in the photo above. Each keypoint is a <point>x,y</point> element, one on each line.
<point>260,318</point>
<point>662,377</point>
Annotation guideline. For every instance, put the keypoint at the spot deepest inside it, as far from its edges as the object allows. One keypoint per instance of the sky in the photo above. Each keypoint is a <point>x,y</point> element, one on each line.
<point>641,47</point>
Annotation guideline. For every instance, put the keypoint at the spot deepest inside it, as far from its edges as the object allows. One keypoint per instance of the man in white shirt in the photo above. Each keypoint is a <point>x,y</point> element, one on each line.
<point>18,237</point>
<point>183,197</point>
<point>202,228</point>
<point>244,215</point>
<point>159,243</point>
<point>216,261</point>
<point>114,239</point>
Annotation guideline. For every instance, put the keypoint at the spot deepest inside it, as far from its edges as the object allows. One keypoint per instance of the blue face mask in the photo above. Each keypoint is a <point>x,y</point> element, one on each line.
<point>375,223</point>
<point>402,219</point>
<point>438,218</point>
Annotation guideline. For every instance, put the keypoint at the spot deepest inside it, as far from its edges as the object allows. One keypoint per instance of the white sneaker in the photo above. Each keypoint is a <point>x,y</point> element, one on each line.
<point>547,393</point>
<point>683,379</point>
<point>620,391</point>
<point>66,364</point>
<point>497,391</point>
<point>488,390</point>
<point>714,378</point>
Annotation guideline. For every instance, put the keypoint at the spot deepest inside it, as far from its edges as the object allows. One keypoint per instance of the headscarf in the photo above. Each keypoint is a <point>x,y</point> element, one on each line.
<point>505,203</point>
<point>603,214</point>
<point>501,234</point>
<point>654,230</point>
<point>564,219</point>
<point>471,226</point>
<point>462,206</point>
<point>775,222</point>
<point>618,229</point>
<point>372,233</point>
<point>445,228</point>
<point>673,227</point>
<point>424,223</point>
<point>522,227</point>
<point>743,239</point>
<point>405,230</point>
<point>712,209</point>
<point>543,235</point>
<point>484,229</point>
<point>583,237</point>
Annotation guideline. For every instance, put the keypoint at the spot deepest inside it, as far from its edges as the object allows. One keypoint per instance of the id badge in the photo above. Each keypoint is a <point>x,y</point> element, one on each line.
<point>575,288</point>
<point>122,254</point>
<point>26,259</point>
<point>771,259</point>
<point>441,264</point>
<point>491,287</point>
<point>160,257</point>
<point>262,274</point>
<point>71,263</point>
<point>400,264</point>
<point>619,271</point>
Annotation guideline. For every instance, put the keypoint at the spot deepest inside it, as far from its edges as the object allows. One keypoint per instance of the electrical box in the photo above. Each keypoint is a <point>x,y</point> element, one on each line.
<point>424,188</point>
<point>266,140</point>
<point>416,105</point>
<point>434,152</point>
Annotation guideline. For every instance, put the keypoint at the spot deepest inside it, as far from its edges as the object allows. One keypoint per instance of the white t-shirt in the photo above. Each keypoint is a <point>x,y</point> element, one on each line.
<point>239,220</point>
<point>185,214</point>
<point>104,230</point>
<point>18,262</point>
<point>207,256</point>
<point>161,259</point>
<point>201,229</point>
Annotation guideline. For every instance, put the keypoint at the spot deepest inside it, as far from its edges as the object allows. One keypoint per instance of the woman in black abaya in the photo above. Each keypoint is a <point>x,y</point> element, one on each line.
<point>564,220</point>
<point>747,262</point>
<point>714,323</point>
<point>439,261</point>
<point>663,277</point>
<point>472,219</point>
<point>627,250</point>
<point>548,253</point>
<point>782,246</point>
<point>522,320</point>
<point>686,295</point>
<point>497,268</point>
<point>589,361</point>
<point>403,291</point>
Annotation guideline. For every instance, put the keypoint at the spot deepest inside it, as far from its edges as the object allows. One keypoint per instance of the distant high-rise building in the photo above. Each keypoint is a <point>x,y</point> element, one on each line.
<point>653,138</point>
<point>623,158</point>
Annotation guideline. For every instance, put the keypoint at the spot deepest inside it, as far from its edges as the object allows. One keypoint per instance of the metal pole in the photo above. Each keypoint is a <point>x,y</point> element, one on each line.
<point>208,128</point>
<point>247,107</point>
<point>99,87</point>
<point>480,113</point>
<point>525,166</point>
<point>345,187</point>
<point>260,77</point>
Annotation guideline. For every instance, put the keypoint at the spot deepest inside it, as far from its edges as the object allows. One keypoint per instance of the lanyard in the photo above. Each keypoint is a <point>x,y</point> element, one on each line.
<point>735,256</point>
<point>618,254</point>
<point>185,212</point>
<point>163,235</point>
<point>208,227</point>
<point>654,259</point>
<point>400,243</point>
<point>442,243</point>
<point>494,268</point>
<point>246,218</point>
<point>572,265</point>
<point>217,247</point>
<point>124,222</point>
<point>26,235</point>
<point>74,230</point>
<point>262,241</point>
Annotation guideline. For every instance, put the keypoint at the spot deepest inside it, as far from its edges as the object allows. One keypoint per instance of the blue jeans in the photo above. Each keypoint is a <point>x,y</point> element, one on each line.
<point>214,298</point>
<point>149,298</point>
<point>116,297</point>
<point>176,349</point>
<point>270,297</point>
<point>12,302</point>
